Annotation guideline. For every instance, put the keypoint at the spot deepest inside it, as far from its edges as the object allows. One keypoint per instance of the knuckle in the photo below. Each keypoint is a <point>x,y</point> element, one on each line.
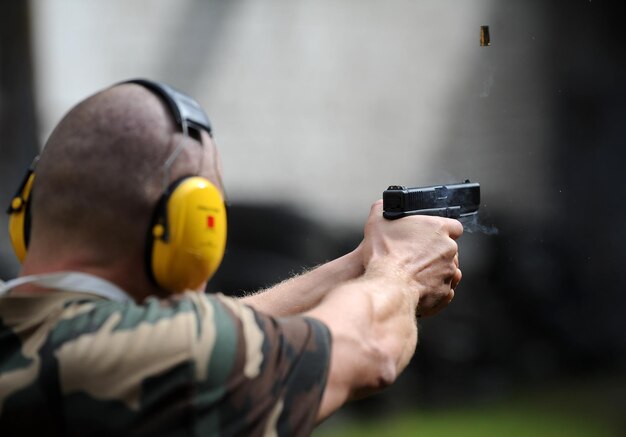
<point>450,270</point>
<point>439,222</point>
<point>452,227</point>
<point>456,228</point>
<point>453,247</point>
<point>449,250</point>
<point>443,226</point>
<point>376,204</point>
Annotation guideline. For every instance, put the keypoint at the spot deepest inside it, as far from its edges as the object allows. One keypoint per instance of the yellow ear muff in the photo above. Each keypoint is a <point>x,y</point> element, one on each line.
<point>188,244</point>
<point>18,217</point>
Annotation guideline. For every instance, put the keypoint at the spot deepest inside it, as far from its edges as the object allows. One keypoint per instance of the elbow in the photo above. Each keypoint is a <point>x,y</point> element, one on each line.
<point>382,368</point>
<point>386,375</point>
<point>379,372</point>
<point>388,357</point>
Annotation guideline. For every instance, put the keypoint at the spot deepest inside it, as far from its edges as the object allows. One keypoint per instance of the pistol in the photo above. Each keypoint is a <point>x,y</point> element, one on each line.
<point>458,201</point>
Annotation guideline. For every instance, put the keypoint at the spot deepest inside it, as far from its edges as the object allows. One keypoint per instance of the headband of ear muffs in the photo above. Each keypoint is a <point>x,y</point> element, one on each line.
<point>187,236</point>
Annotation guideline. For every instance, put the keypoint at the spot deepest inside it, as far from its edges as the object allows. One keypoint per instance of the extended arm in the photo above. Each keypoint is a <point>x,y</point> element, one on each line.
<point>373,336</point>
<point>303,292</point>
<point>410,263</point>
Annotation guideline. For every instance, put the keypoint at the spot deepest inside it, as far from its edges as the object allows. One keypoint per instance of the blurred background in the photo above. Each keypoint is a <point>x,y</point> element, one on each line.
<point>319,105</point>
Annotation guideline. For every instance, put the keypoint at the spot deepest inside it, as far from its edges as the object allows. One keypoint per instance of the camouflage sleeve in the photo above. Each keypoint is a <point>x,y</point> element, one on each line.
<point>266,376</point>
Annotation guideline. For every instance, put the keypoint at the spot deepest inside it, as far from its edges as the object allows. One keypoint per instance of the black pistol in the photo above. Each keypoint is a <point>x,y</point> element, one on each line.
<point>456,201</point>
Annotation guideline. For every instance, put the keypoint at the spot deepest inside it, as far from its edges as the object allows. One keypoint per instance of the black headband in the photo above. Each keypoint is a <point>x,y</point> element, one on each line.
<point>184,108</point>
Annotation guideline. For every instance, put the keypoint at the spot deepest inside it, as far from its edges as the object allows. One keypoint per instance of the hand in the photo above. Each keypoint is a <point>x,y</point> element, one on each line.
<point>420,248</point>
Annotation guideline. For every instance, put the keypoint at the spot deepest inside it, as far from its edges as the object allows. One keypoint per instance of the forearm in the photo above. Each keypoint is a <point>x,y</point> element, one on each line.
<point>374,334</point>
<point>303,292</point>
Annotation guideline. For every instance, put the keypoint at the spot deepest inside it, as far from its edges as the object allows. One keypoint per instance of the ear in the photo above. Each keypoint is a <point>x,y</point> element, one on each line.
<point>188,235</point>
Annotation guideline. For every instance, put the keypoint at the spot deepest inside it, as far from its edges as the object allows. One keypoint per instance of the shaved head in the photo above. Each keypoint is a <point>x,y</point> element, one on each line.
<point>101,172</point>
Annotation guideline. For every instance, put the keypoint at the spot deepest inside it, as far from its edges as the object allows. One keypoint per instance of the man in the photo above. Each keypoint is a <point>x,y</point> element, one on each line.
<point>90,344</point>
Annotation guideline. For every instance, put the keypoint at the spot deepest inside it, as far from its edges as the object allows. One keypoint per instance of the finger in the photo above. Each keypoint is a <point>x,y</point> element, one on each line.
<point>456,260</point>
<point>455,228</point>
<point>450,297</point>
<point>456,279</point>
<point>377,207</point>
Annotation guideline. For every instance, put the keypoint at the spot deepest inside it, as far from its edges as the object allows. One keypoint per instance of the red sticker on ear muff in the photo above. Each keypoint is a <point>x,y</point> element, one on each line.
<point>211,222</point>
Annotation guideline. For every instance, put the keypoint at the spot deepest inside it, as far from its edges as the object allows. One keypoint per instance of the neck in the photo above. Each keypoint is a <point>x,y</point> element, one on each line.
<point>126,275</point>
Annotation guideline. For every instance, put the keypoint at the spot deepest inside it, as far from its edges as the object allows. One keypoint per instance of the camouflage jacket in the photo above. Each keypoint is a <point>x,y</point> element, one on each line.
<point>75,364</point>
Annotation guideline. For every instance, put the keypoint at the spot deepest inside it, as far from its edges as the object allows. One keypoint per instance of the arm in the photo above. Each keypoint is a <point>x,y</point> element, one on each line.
<point>374,335</point>
<point>303,292</point>
<point>410,263</point>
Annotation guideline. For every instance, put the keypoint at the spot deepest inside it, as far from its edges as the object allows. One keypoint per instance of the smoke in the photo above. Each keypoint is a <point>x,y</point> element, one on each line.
<point>471,225</point>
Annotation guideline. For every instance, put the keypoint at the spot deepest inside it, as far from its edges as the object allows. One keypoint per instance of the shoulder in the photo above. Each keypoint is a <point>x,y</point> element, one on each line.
<point>277,368</point>
<point>257,335</point>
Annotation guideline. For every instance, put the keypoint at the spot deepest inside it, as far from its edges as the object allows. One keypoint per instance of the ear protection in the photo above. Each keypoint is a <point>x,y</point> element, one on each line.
<point>19,214</point>
<point>187,236</point>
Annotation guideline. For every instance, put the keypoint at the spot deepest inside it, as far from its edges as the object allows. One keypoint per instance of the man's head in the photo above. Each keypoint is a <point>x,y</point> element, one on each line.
<point>101,175</point>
